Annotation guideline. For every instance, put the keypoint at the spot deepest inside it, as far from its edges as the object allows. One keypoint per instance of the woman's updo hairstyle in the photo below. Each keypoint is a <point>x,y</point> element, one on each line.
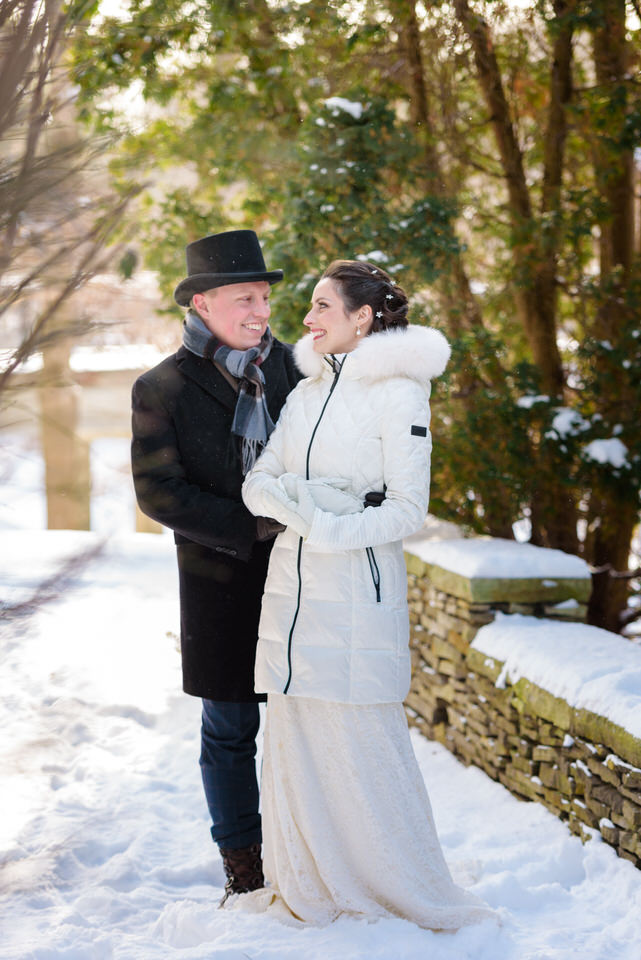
<point>360,282</point>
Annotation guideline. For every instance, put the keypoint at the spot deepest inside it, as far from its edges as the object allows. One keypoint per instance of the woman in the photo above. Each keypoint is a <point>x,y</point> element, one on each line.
<point>346,818</point>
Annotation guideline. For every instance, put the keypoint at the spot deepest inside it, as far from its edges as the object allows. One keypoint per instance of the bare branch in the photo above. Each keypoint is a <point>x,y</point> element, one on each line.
<point>87,267</point>
<point>62,251</point>
<point>52,240</point>
<point>32,49</point>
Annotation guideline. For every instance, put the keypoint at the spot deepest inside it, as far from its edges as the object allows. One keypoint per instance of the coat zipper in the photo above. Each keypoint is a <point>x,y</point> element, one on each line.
<point>337,372</point>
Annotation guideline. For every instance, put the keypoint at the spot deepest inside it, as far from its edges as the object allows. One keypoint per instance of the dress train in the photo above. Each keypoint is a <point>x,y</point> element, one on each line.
<point>347,821</point>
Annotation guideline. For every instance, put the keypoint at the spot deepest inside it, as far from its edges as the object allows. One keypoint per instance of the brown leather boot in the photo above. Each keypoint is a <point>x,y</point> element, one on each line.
<point>243,869</point>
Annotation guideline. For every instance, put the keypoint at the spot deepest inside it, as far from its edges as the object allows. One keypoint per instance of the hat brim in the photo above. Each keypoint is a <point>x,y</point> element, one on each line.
<point>200,282</point>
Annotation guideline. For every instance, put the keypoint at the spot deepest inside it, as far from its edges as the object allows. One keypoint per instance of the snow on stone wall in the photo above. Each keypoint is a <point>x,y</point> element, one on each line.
<point>507,677</point>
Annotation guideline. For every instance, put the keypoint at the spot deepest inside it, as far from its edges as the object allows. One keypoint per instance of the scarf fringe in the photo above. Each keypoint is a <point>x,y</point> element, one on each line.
<point>250,451</point>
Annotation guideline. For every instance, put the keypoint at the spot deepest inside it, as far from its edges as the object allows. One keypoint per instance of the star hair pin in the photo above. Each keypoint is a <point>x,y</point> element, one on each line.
<point>379,313</point>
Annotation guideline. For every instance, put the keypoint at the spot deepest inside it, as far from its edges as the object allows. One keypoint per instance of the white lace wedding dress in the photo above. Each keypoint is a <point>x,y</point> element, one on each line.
<point>347,822</point>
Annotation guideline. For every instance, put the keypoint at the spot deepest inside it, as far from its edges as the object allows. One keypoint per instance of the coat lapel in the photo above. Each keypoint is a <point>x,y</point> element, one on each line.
<point>205,374</point>
<point>274,373</point>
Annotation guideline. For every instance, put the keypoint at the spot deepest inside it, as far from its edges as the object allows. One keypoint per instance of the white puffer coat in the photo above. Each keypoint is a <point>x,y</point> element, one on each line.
<point>334,622</point>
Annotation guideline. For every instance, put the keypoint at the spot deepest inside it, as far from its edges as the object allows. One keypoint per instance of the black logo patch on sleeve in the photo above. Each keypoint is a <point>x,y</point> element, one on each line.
<point>418,431</point>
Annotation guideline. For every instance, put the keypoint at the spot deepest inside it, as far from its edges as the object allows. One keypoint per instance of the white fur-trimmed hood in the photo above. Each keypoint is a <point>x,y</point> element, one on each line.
<point>419,353</point>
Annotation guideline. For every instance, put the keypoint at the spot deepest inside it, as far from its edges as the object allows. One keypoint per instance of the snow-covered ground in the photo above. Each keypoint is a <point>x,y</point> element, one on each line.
<point>104,845</point>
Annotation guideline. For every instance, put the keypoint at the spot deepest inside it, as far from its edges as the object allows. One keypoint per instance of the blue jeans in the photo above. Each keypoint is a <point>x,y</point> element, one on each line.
<point>227,763</point>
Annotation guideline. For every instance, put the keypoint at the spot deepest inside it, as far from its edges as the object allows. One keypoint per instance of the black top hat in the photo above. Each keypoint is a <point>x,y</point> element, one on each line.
<point>220,259</point>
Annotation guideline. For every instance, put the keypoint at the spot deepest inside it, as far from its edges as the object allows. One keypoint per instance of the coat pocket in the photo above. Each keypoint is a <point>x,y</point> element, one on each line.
<point>375,572</point>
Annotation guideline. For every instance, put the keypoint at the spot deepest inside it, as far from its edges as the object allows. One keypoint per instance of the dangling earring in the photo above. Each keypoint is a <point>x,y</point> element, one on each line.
<point>358,331</point>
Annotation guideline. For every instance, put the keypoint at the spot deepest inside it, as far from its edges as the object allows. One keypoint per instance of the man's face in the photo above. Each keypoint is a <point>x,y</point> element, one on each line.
<point>237,314</point>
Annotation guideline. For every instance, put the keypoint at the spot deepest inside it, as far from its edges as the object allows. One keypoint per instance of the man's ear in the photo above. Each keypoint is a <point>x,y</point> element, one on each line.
<point>200,303</point>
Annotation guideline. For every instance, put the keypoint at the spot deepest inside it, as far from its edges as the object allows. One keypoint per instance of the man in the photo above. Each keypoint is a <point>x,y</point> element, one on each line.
<point>200,418</point>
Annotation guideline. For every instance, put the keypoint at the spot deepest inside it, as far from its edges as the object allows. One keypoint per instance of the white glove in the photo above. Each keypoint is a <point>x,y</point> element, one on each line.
<point>306,505</point>
<point>328,493</point>
<point>331,496</point>
<point>292,500</point>
<point>276,503</point>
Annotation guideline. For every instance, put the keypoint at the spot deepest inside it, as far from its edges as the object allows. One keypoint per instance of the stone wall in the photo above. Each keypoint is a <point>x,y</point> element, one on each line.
<point>581,766</point>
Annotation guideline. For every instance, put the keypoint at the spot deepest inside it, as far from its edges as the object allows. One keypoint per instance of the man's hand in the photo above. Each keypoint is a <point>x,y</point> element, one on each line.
<point>267,528</point>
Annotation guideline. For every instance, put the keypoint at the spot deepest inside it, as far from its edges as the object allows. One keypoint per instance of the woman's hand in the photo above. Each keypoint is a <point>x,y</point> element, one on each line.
<point>293,501</point>
<point>327,493</point>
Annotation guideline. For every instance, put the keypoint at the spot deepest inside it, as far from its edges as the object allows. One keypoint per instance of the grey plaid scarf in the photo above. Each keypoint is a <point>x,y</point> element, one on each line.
<point>252,423</point>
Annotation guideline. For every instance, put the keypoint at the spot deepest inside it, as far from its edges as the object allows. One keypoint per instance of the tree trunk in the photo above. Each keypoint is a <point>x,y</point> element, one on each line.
<point>617,504</point>
<point>545,285</point>
<point>535,301</point>
<point>609,547</point>
<point>615,171</point>
<point>535,250</point>
<point>460,306</point>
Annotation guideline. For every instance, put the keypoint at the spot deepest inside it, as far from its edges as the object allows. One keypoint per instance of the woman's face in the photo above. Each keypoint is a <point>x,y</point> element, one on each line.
<point>333,329</point>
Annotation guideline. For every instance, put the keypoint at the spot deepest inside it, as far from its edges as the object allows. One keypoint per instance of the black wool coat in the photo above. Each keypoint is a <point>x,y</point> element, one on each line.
<point>187,476</point>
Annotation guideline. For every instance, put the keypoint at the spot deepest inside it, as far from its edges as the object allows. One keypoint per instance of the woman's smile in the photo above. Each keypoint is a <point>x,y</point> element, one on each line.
<point>338,333</point>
